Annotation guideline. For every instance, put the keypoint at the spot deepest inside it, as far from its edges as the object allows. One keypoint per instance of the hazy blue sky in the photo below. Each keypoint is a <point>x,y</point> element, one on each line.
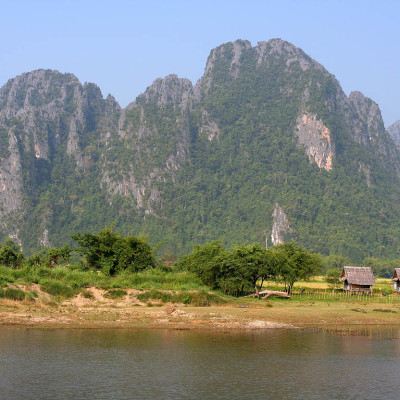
<point>124,45</point>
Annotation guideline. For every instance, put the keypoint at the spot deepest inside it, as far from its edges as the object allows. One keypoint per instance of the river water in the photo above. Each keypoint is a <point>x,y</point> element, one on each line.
<point>170,364</point>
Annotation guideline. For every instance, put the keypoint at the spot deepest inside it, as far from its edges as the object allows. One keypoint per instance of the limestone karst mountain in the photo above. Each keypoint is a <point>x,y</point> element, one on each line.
<point>188,163</point>
<point>394,132</point>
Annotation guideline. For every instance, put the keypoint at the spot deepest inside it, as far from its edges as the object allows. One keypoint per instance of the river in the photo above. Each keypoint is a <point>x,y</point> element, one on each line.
<point>181,364</point>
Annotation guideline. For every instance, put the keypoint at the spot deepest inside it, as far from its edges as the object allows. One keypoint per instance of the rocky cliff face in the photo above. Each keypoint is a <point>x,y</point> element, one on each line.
<point>394,132</point>
<point>153,132</point>
<point>187,164</point>
<point>369,129</point>
<point>44,116</point>
<point>11,189</point>
<point>316,138</point>
<point>280,226</point>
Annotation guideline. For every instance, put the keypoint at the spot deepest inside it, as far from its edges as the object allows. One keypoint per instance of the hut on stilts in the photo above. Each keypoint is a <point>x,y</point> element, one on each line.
<point>396,279</point>
<point>357,279</point>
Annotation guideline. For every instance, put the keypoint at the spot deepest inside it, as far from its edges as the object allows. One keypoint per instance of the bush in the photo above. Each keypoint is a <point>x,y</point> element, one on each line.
<point>112,253</point>
<point>57,288</point>
<point>199,298</point>
<point>387,291</point>
<point>115,294</point>
<point>10,258</point>
<point>333,278</point>
<point>86,294</point>
<point>13,294</point>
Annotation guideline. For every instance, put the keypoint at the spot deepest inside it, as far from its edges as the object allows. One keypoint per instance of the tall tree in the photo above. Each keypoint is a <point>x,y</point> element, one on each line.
<point>111,253</point>
<point>296,263</point>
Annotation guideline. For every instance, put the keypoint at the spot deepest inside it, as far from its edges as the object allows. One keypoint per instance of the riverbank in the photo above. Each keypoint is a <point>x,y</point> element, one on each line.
<point>94,310</point>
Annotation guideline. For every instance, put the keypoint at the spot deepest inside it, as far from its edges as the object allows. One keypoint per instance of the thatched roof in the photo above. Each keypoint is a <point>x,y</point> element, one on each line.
<point>358,275</point>
<point>396,274</point>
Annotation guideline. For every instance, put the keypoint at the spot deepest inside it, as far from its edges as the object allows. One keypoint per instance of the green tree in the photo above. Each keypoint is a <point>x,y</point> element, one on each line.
<point>56,255</point>
<point>334,261</point>
<point>296,263</point>
<point>205,261</point>
<point>333,278</point>
<point>235,272</point>
<point>254,263</point>
<point>111,253</point>
<point>10,254</point>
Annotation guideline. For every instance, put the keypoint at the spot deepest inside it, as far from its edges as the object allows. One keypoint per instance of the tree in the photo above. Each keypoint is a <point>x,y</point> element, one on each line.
<point>202,262</point>
<point>56,255</point>
<point>111,253</point>
<point>254,263</point>
<point>333,278</point>
<point>334,261</point>
<point>296,263</point>
<point>235,272</point>
<point>10,254</point>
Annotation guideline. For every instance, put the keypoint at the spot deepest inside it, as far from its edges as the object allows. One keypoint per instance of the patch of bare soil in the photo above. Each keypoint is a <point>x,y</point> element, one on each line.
<point>93,309</point>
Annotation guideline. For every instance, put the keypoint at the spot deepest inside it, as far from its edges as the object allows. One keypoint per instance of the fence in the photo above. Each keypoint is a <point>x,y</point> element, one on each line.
<point>347,296</point>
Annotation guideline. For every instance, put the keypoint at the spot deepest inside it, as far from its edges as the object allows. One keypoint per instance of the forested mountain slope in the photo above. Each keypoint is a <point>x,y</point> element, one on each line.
<point>266,131</point>
<point>394,132</point>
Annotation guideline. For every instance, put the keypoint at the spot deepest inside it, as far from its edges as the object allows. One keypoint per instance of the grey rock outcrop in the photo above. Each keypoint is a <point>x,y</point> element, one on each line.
<point>316,138</point>
<point>226,57</point>
<point>369,130</point>
<point>394,132</point>
<point>172,99</point>
<point>280,226</point>
<point>277,47</point>
<point>44,115</point>
<point>169,90</point>
<point>11,183</point>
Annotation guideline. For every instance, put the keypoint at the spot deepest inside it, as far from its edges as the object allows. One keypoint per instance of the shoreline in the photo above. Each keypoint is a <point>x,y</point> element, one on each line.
<point>244,316</point>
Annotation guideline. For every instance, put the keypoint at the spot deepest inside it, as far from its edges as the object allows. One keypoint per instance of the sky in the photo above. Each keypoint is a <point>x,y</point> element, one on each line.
<point>123,46</point>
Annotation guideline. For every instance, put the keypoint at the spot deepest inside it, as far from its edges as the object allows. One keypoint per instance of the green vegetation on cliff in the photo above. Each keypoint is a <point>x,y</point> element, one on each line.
<point>188,165</point>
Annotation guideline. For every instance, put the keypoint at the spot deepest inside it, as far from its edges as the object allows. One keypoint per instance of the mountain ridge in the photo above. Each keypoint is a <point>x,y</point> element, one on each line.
<point>186,163</point>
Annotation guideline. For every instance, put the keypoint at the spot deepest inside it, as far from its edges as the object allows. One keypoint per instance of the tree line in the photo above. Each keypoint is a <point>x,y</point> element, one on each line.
<point>107,251</point>
<point>241,269</point>
<point>235,271</point>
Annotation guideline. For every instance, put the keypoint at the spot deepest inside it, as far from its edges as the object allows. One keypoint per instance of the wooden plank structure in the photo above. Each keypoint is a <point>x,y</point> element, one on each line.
<point>268,293</point>
<point>357,279</point>
<point>396,279</point>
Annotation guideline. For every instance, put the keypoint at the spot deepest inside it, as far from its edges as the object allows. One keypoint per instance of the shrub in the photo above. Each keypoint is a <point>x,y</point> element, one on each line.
<point>387,291</point>
<point>111,253</point>
<point>86,294</point>
<point>198,298</point>
<point>12,294</point>
<point>333,278</point>
<point>115,294</point>
<point>57,288</point>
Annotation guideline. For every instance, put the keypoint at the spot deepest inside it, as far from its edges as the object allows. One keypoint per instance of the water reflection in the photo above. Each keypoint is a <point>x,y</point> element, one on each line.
<point>148,364</point>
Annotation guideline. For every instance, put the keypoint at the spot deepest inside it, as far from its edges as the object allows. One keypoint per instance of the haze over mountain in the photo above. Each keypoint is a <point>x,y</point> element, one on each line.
<point>265,146</point>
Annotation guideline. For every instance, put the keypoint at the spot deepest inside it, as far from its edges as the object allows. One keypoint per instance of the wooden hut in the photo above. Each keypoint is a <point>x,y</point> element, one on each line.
<point>396,279</point>
<point>358,279</point>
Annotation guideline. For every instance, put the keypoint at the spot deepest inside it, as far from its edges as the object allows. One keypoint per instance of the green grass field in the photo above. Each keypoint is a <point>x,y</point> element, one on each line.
<point>318,282</point>
<point>65,282</point>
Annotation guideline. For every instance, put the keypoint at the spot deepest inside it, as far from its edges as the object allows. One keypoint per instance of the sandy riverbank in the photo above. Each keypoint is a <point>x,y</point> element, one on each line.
<point>98,312</point>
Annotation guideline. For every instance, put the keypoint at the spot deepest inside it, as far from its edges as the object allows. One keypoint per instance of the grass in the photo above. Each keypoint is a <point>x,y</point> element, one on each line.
<point>115,294</point>
<point>319,283</point>
<point>163,286</point>
<point>86,294</point>
<point>160,279</point>
<point>67,281</point>
<point>14,294</point>
<point>318,309</point>
<point>197,299</point>
<point>153,278</point>
<point>58,289</point>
